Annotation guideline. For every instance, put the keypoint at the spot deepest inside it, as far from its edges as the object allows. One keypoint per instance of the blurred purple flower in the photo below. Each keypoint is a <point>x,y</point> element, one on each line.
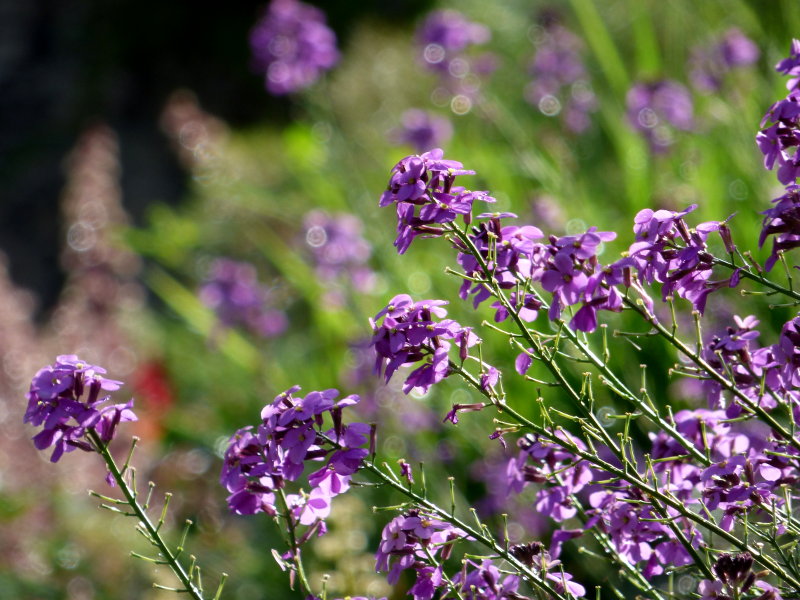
<point>340,252</point>
<point>422,130</point>
<point>709,65</point>
<point>657,107</point>
<point>292,46</point>
<point>445,38</point>
<point>560,83</point>
<point>233,292</point>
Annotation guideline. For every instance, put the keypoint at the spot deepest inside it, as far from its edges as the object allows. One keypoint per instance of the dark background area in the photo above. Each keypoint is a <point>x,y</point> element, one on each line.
<point>65,64</point>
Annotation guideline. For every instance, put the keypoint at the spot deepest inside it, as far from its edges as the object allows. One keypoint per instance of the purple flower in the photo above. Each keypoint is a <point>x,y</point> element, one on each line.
<point>485,581</point>
<point>422,188</point>
<point>260,461</point>
<point>404,541</point>
<point>292,46</point>
<point>422,130</point>
<point>65,399</point>
<point>709,65</point>
<point>233,292</point>
<point>654,108</point>
<point>783,222</point>
<point>791,65</point>
<point>445,39</point>
<point>405,333</point>
<point>559,84</point>
<point>339,252</point>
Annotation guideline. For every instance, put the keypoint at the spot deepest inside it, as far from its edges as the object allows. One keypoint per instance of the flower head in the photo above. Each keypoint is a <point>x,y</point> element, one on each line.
<point>654,109</point>
<point>67,400</point>
<point>292,46</point>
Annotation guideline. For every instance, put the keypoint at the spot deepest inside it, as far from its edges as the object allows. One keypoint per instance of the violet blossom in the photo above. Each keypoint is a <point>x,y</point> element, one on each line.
<point>445,39</point>
<point>407,332</point>
<point>68,400</point>
<point>404,541</point>
<point>231,289</point>
<point>422,130</point>
<point>292,435</point>
<point>656,108</point>
<point>339,252</point>
<point>560,81</point>
<point>710,64</point>
<point>292,46</point>
<point>423,191</point>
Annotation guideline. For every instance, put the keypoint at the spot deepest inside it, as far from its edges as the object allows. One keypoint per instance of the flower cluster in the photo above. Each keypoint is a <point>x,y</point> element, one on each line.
<point>484,581</point>
<point>292,46</point>
<point>765,376</point>
<point>667,251</point>
<point>567,267</point>
<point>783,222</point>
<point>535,556</point>
<point>406,542</point>
<point>407,332</point>
<point>538,461</point>
<point>67,400</point>
<point>422,189</point>
<point>709,65</point>
<point>259,461</point>
<point>494,255</point>
<point>734,579</point>
<point>445,38</point>
<point>421,130</point>
<point>780,128</point>
<point>233,292</point>
<point>560,83</point>
<point>655,108</point>
<point>339,251</point>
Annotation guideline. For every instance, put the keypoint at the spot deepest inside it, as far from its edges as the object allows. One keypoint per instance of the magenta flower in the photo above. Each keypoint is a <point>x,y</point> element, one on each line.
<point>422,188</point>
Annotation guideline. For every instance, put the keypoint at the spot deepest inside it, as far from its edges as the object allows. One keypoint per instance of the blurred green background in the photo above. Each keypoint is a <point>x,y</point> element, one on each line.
<point>138,146</point>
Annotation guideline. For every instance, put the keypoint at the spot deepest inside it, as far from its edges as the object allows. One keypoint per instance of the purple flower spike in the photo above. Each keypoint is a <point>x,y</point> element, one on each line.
<point>292,46</point>
<point>259,461</point>
<point>404,541</point>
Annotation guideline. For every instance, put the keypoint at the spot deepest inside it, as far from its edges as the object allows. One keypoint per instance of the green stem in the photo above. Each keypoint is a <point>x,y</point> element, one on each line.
<point>635,479</point>
<point>531,576</point>
<point>748,274</point>
<point>729,385</point>
<point>298,562</point>
<point>615,383</point>
<point>152,531</point>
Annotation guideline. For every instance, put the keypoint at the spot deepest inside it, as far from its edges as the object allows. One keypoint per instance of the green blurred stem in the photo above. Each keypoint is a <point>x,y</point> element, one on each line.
<point>152,531</point>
